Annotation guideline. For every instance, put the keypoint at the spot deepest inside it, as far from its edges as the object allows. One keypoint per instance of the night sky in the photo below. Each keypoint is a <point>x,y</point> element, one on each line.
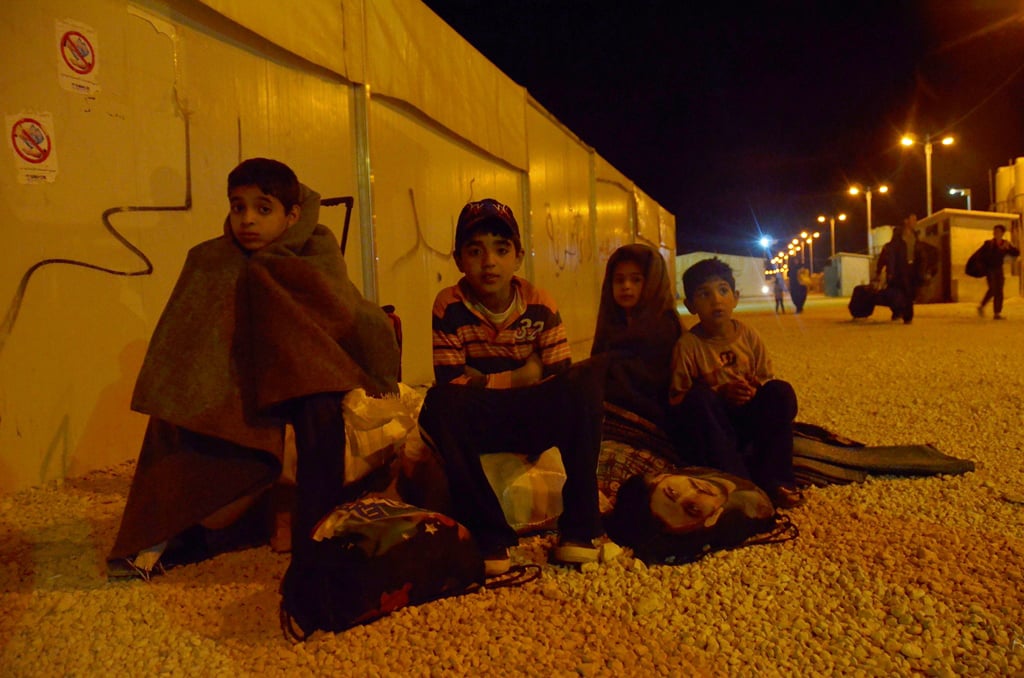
<point>749,118</point>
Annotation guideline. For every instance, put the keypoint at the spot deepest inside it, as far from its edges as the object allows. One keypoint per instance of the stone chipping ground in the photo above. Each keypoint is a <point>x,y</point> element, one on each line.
<point>895,576</point>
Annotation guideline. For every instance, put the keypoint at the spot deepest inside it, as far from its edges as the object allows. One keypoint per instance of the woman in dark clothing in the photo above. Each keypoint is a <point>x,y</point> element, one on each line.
<point>797,290</point>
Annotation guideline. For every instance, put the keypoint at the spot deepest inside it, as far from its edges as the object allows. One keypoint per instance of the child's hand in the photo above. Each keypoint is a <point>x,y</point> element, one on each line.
<point>530,373</point>
<point>739,392</point>
<point>477,379</point>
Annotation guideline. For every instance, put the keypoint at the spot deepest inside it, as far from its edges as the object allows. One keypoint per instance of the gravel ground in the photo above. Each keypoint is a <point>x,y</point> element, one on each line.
<point>890,577</point>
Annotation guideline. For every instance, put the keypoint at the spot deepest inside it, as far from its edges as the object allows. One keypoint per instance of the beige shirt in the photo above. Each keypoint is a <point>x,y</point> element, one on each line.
<point>717,361</point>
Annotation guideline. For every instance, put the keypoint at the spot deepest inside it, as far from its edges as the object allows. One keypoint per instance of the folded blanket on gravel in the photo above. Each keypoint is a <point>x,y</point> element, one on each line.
<point>821,457</point>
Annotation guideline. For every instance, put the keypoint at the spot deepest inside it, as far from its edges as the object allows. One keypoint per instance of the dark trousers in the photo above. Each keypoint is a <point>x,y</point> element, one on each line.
<point>462,423</point>
<point>900,298</point>
<point>753,441</point>
<point>995,280</point>
<point>798,293</point>
<point>320,463</point>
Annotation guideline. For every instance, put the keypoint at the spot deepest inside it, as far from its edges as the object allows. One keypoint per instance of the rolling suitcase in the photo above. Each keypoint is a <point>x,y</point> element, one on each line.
<point>862,301</point>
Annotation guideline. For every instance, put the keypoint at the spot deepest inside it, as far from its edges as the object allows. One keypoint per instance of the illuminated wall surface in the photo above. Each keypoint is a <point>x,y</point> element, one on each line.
<point>123,120</point>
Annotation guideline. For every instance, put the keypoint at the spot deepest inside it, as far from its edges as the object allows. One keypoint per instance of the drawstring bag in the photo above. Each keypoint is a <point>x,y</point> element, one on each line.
<point>975,264</point>
<point>372,556</point>
<point>745,517</point>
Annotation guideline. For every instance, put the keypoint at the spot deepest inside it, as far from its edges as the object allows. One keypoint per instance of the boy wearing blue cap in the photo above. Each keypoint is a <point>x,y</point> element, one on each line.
<point>505,384</point>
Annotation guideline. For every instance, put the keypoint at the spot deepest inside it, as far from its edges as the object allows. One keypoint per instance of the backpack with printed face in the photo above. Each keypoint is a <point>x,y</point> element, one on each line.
<point>370,557</point>
<point>742,515</point>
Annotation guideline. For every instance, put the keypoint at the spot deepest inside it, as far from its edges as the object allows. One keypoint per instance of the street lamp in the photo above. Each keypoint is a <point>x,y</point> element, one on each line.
<point>909,140</point>
<point>832,226</point>
<point>966,192</point>
<point>809,239</point>
<point>854,190</point>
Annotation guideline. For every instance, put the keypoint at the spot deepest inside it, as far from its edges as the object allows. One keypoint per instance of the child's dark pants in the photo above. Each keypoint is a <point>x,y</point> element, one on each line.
<point>462,423</point>
<point>753,441</point>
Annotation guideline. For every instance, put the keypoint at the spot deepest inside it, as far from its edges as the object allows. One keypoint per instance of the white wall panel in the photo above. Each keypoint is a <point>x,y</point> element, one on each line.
<point>422,178</point>
<point>563,236</point>
<point>247,79</point>
<point>71,344</point>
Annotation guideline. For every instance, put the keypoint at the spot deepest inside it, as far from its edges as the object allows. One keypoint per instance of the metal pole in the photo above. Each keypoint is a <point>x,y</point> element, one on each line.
<point>928,172</point>
<point>968,200</point>
<point>810,246</point>
<point>867,194</point>
<point>832,235</point>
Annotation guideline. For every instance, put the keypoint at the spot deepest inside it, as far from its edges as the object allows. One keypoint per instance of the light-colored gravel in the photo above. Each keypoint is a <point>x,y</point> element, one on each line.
<point>891,577</point>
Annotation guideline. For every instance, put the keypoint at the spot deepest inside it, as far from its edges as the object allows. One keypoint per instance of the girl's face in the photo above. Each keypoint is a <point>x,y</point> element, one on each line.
<point>627,284</point>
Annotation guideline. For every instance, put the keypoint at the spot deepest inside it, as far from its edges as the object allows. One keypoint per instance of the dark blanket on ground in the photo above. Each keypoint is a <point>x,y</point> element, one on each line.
<point>241,335</point>
<point>821,457</point>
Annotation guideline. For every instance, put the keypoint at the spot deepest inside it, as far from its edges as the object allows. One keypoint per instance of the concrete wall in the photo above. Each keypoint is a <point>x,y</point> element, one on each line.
<point>138,111</point>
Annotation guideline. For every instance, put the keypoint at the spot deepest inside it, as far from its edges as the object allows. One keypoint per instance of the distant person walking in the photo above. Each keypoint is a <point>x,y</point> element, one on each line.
<point>780,287</point>
<point>797,289</point>
<point>992,254</point>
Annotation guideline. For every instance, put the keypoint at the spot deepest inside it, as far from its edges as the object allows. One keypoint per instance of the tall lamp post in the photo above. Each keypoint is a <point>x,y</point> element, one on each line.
<point>832,228</point>
<point>809,239</point>
<point>909,140</point>
<point>966,192</point>
<point>857,189</point>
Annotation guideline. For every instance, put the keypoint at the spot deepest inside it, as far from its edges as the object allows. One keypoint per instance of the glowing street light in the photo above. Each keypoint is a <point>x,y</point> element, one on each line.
<point>857,189</point>
<point>832,228</point>
<point>966,192</point>
<point>809,239</point>
<point>909,140</point>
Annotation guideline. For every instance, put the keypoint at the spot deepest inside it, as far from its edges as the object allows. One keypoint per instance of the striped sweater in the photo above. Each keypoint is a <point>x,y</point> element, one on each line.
<point>465,337</point>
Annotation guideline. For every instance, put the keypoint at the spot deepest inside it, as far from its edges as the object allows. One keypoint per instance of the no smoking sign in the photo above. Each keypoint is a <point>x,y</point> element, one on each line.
<point>30,141</point>
<point>33,147</point>
<point>77,52</point>
<point>78,57</point>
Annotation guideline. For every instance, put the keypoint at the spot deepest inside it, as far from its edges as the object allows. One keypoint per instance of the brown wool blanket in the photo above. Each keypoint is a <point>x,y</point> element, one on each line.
<point>241,335</point>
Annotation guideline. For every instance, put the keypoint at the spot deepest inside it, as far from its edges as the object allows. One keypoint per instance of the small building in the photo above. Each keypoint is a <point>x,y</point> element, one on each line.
<point>845,271</point>
<point>956,234</point>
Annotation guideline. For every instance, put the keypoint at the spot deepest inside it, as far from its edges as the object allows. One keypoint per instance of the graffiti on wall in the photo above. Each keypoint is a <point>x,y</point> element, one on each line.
<point>11,315</point>
<point>421,243</point>
<point>569,244</point>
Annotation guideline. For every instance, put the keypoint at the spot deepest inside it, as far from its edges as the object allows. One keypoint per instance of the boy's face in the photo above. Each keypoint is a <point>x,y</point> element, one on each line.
<point>627,284</point>
<point>258,219</point>
<point>713,301</point>
<point>488,262</point>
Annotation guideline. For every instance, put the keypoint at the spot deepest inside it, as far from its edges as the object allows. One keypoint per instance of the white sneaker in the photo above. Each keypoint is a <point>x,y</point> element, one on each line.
<point>497,562</point>
<point>601,549</point>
